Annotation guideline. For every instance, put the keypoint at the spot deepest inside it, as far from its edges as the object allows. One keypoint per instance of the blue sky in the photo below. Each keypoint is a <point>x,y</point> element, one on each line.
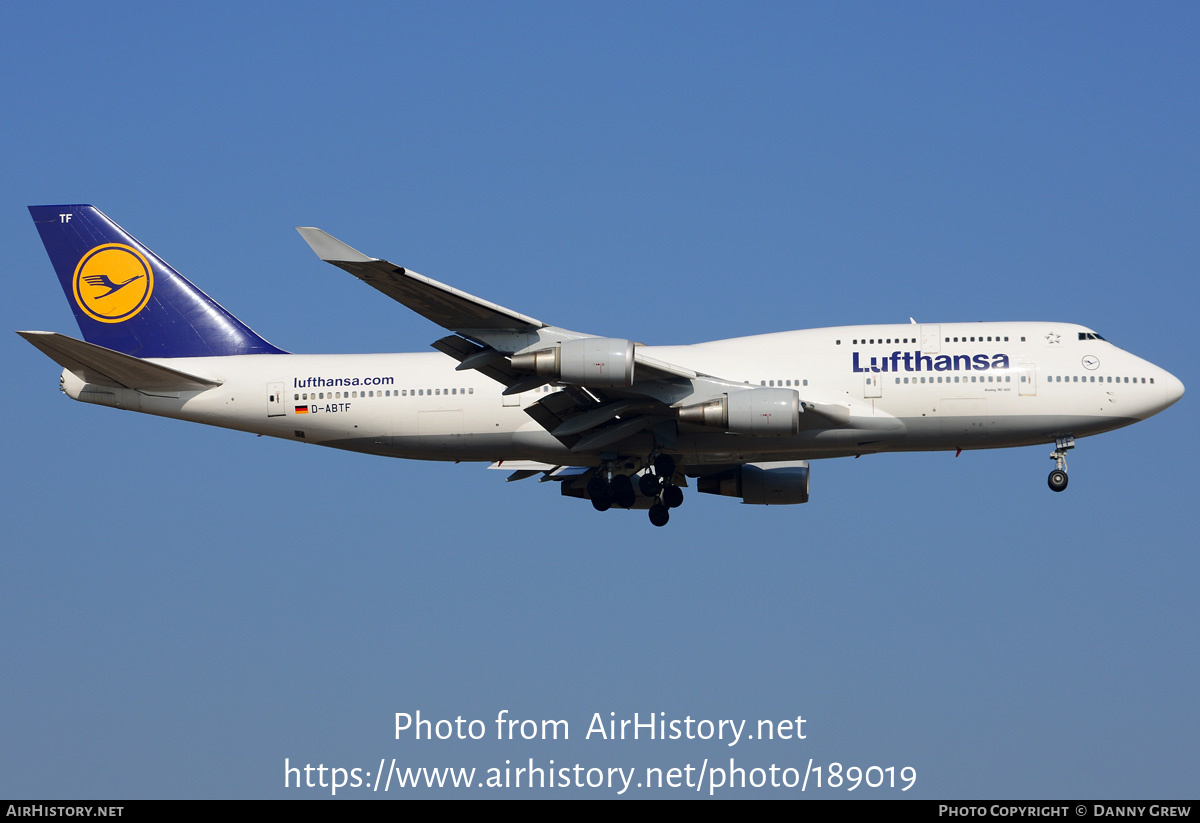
<point>186,607</point>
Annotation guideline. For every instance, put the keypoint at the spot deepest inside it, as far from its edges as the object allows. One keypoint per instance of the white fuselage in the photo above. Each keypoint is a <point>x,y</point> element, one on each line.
<point>907,388</point>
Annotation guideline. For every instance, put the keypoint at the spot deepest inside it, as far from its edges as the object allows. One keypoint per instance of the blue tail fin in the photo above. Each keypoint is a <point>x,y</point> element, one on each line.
<point>127,299</point>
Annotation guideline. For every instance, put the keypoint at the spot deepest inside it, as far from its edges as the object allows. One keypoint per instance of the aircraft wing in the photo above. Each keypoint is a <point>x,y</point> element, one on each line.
<point>585,415</point>
<point>477,320</point>
<point>447,306</point>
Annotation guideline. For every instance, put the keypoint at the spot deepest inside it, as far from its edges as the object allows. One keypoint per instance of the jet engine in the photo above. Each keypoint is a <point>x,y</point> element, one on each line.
<point>766,484</point>
<point>590,361</point>
<point>748,411</point>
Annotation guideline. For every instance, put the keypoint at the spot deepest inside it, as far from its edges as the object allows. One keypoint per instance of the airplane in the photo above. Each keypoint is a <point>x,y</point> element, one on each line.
<point>613,421</point>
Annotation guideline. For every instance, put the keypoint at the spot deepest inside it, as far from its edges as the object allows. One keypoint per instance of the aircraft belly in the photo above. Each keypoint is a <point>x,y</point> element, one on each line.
<point>967,431</point>
<point>473,447</point>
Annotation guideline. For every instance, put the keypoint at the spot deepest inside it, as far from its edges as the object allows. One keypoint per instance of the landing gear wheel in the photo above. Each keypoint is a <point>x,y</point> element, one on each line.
<point>664,467</point>
<point>672,497</point>
<point>600,493</point>
<point>1057,480</point>
<point>1058,477</point>
<point>659,514</point>
<point>621,488</point>
<point>649,484</point>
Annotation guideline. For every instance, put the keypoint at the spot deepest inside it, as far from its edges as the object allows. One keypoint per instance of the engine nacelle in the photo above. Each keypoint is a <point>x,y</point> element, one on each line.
<point>749,411</point>
<point>767,484</point>
<point>591,361</point>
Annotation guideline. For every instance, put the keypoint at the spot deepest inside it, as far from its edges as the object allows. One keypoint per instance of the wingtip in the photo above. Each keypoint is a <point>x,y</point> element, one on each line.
<point>329,248</point>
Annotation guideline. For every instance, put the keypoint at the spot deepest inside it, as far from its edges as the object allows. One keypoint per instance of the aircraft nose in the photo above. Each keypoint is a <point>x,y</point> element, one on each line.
<point>1173,386</point>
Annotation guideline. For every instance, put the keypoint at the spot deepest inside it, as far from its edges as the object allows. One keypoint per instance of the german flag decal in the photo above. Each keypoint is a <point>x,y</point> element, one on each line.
<point>302,410</point>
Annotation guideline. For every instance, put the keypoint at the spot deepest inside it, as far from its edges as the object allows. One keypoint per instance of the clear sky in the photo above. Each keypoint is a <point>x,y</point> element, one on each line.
<point>185,607</point>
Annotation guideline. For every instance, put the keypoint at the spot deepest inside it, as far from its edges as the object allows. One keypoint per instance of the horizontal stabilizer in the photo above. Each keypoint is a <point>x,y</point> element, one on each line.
<point>96,364</point>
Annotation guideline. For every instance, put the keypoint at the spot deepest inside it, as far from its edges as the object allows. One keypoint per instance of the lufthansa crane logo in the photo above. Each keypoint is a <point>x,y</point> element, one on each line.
<point>113,283</point>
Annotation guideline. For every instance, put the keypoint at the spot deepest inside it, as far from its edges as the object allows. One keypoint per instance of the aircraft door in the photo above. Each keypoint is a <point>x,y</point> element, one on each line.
<point>1027,379</point>
<point>275,403</point>
<point>872,386</point>
<point>931,339</point>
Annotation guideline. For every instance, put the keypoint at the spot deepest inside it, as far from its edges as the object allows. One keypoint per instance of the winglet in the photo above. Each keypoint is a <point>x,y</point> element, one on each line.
<point>329,248</point>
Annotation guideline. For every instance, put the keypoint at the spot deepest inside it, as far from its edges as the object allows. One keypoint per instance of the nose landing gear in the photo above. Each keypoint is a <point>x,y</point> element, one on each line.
<point>1058,478</point>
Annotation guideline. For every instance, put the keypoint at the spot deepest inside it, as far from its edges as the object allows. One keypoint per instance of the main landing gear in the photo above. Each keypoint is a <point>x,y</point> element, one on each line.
<point>1058,478</point>
<point>607,489</point>
<point>669,495</point>
<point>607,492</point>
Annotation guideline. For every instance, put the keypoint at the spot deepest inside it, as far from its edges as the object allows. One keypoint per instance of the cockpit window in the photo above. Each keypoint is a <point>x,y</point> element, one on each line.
<point>1089,335</point>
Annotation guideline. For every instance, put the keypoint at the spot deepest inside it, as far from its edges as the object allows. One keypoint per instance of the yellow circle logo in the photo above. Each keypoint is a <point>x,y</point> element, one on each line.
<point>113,283</point>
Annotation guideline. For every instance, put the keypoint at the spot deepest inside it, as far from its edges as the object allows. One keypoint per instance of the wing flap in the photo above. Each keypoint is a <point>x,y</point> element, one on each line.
<point>551,411</point>
<point>480,358</point>
<point>96,364</point>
